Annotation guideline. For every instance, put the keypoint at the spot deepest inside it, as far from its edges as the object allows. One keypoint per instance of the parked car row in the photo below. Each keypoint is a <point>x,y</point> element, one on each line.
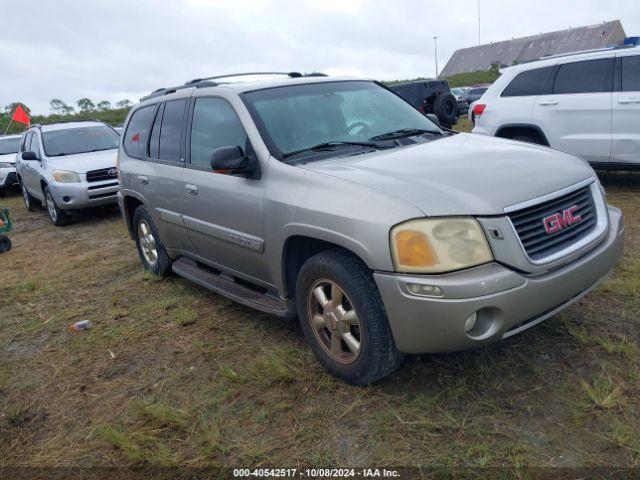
<point>345,204</point>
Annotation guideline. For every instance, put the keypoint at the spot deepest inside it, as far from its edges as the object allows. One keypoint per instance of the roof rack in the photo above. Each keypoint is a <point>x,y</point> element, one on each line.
<point>209,81</point>
<point>593,50</point>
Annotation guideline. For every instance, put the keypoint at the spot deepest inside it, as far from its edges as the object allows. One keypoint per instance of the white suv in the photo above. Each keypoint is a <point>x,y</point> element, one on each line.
<point>586,104</point>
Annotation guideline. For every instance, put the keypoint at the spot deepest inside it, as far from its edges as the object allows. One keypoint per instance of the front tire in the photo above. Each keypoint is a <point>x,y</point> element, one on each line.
<point>343,318</point>
<point>27,198</point>
<point>58,216</point>
<point>152,253</point>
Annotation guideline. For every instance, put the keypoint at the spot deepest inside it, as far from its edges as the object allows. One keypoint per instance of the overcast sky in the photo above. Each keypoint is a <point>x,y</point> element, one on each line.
<point>110,50</point>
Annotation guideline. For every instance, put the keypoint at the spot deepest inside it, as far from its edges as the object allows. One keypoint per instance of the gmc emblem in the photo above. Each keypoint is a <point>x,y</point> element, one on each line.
<point>561,220</point>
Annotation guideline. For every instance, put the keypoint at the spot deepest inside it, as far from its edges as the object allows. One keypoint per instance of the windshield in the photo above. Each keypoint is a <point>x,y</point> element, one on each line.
<point>297,117</point>
<point>9,145</point>
<point>79,140</point>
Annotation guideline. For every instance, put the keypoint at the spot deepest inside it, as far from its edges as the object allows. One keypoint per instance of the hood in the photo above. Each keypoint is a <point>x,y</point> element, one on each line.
<point>84,162</point>
<point>464,174</point>
<point>9,157</point>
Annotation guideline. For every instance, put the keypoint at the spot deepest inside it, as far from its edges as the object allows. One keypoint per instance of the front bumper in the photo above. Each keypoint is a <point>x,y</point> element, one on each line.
<point>75,196</point>
<point>506,302</point>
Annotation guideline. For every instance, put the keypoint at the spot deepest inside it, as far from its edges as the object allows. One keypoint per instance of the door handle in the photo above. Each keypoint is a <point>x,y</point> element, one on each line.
<point>548,102</point>
<point>191,189</point>
<point>144,180</point>
<point>629,100</point>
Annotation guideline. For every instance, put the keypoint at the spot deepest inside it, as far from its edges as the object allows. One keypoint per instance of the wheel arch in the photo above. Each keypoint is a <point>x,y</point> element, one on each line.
<point>298,248</point>
<point>129,205</point>
<point>510,130</point>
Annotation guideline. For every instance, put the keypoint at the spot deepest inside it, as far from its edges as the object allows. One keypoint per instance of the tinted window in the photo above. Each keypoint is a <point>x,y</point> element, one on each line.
<point>584,77</point>
<point>532,82</point>
<point>137,134</point>
<point>70,141</point>
<point>171,129</point>
<point>215,125</point>
<point>9,145</point>
<point>154,141</point>
<point>631,74</point>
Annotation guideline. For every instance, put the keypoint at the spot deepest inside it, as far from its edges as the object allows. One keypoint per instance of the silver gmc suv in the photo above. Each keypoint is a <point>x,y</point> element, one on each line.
<point>335,201</point>
<point>68,166</point>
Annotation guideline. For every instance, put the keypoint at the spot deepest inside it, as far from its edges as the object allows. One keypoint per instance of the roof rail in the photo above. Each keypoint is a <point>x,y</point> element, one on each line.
<point>209,81</point>
<point>593,50</point>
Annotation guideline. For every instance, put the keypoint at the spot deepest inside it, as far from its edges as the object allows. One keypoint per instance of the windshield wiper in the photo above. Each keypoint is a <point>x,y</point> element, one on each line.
<point>329,146</point>
<point>403,132</point>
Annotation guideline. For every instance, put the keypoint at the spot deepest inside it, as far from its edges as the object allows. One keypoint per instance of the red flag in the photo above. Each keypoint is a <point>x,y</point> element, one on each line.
<point>21,116</point>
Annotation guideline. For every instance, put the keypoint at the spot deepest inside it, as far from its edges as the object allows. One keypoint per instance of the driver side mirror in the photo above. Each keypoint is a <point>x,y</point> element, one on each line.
<point>433,118</point>
<point>30,155</point>
<point>233,160</point>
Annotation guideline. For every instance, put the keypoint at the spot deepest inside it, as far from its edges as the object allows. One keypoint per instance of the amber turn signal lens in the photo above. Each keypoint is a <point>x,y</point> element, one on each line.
<point>414,249</point>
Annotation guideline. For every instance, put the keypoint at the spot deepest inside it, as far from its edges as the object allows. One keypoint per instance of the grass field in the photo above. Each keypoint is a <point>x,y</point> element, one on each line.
<point>171,374</point>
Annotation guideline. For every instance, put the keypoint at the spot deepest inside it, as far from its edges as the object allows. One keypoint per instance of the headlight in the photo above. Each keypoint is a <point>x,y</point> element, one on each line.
<point>64,176</point>
<point>5,165</point>
<point>439,245</point>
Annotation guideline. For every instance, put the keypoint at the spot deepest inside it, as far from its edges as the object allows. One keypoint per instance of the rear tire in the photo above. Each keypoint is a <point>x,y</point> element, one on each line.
<point>5,243</point>
<point>152,253</point>
<point>350,334</point>
<point>445,107</point>
<point>27,198</point>
<point>58,217</point>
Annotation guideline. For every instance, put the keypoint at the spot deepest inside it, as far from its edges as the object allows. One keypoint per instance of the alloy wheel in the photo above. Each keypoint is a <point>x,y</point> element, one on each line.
<point>147,243</point>
<point>334,321</point>
<point>51,207</point>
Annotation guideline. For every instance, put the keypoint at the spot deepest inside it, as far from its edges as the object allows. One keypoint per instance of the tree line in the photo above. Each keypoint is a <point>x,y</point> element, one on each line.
<point>84,109</point>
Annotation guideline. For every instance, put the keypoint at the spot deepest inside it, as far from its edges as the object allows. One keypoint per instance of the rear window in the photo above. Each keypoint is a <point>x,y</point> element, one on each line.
<point>631,74</point>
<point>9,145</point>
<point>137,134</point>
<point>531,82</point>
<point>585,77</point>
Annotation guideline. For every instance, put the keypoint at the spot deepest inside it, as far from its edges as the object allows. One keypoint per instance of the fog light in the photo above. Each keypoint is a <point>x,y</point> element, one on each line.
<point>470,322</point>
<point>424,290</point>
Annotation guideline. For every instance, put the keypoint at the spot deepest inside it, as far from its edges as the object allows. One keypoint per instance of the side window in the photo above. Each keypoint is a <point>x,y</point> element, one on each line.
<point>631,74</point>
<point>154,141</point>
<point>170,130</point>
<point>215,125</point>
<point>35,143</point>
<point>585,77</point>
<point>137,134</point>
<point>532,82</point>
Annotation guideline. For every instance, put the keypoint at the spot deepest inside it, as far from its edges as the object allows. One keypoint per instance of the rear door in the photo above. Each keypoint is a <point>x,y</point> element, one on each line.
<point>625,105</point>
<point>576,116</point>
<point>155,141</point>
<point>224,213</point>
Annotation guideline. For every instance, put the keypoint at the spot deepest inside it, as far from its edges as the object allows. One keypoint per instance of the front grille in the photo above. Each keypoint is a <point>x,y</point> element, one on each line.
<point>102,185</point>
<point>530,227</point>
<point>100,175</point>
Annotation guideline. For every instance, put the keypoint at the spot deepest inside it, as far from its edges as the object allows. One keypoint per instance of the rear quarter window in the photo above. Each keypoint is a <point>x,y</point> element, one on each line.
<point>531,82</point>
<point>136,136</point>
<point>631,74</point>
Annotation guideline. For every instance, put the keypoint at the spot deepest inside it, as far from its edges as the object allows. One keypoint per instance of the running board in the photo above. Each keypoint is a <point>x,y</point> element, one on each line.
<point>189,269</point>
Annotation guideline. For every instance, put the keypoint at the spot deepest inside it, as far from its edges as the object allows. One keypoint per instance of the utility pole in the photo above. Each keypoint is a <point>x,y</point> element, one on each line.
<point>435,53</point>
<point>478,22</point>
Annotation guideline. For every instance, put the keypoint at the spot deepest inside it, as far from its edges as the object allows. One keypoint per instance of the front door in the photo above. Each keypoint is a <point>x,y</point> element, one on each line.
<point>223,213</point>
<point>625,106</point>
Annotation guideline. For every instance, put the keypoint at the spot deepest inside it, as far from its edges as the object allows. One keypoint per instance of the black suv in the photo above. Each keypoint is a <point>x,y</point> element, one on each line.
<point>431,96</point>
